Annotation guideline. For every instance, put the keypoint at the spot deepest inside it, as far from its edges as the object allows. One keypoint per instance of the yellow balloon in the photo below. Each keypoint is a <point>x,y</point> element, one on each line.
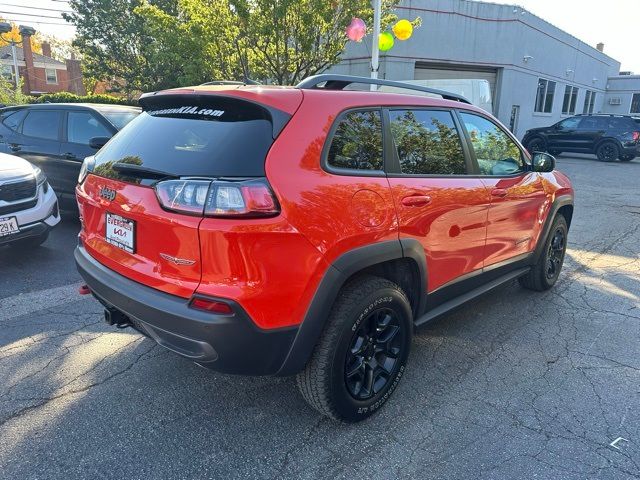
<point>402,29</point>
<point>385,41</point>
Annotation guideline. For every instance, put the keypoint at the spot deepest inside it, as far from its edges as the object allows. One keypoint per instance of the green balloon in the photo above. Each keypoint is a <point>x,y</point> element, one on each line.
<point>385,41</point>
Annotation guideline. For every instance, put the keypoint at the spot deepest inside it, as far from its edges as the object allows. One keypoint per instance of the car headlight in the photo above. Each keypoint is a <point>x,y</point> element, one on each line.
<point>87,167</point>
<point>40,176</point>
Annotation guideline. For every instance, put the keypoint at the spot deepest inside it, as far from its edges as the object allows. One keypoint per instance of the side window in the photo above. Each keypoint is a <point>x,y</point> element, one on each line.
<point>42,124</point>
<point>569,124</point>
<point>83,126</point>
<point>357,142</point>
<point>427,142</point>
<point>12,119</point>
<point>496,152</point>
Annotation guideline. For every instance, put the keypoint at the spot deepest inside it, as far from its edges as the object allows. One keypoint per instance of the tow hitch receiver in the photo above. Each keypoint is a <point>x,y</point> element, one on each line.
<point>115,317</point>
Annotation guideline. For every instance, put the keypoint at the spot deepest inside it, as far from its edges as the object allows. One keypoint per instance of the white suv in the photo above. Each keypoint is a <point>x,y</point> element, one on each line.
<point>28,204</point>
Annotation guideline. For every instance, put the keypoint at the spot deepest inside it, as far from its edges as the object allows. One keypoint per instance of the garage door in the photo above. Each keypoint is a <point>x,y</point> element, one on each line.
<point>453,79</point>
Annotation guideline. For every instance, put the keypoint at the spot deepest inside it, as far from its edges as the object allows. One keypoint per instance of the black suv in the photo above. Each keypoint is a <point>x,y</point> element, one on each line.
<point>609,137</point>
<point>58,136</point>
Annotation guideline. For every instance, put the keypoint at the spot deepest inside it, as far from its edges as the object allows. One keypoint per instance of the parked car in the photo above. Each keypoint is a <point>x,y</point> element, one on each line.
<point>57,137</point>
<point>309,230</point>
<point>609,137</point>
<point>28,205</point>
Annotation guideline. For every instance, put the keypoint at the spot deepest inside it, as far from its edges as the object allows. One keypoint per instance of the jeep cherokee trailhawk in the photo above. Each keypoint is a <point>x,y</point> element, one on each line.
<point>308,230</point>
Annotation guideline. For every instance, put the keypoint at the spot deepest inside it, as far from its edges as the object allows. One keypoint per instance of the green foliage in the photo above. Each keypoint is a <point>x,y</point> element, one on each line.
<point>66,97</point>
<point>9,95</point>
<point>143,45</point>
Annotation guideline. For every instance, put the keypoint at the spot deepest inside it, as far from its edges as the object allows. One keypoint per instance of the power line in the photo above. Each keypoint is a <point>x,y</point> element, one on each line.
<point>37,21</point>
<point>35,8</point>
<point>32,15</point>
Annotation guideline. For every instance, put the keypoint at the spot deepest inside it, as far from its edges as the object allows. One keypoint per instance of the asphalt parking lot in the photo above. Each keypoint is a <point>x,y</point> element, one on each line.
<point>516,385</point>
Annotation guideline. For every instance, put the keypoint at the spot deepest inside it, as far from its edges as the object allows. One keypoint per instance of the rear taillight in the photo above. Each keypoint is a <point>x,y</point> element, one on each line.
<point>636,136</point>
<point>212,306</point>
<point>218,198</point>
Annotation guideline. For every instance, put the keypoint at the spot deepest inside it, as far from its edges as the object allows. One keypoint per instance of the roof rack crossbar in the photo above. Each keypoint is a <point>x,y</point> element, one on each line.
<point>340,82</point>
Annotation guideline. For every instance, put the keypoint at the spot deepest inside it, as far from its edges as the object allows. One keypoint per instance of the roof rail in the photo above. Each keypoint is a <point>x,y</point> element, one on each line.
<point>339,82</point>
<point>246,81</point>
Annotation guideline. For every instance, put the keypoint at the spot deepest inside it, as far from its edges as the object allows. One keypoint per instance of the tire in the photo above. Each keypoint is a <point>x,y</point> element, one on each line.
<point>536,144</point>
<point>30,242</point>
<point>627,158</point>
<point>607,152</point>
<point>544,274</point>
<point>555,153</point>
<point>370,322</point>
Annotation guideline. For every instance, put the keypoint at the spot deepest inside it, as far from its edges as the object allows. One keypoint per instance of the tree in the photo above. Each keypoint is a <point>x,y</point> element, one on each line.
<point>288,40</point>
<point>116,44</point>
<point>199,43</point>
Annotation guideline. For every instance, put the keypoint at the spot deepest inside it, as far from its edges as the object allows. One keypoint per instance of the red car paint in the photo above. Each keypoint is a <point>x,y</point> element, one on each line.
<point>272,266</point>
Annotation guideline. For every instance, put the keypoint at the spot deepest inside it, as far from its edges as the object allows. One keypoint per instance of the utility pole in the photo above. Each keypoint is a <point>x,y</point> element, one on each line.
<point>14,55</point>
<point>375,49</point>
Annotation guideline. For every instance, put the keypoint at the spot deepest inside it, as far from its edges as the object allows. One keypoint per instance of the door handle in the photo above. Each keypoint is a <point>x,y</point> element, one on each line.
<point>499,192</point>
<point>70,156</point>
<point>14,147</point>
<point>416,200</point>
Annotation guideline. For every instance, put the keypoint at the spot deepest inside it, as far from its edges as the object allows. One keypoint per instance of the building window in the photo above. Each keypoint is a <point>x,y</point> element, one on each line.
<point>635,103</point>
<point>52,75</point>
<point>570,98</point>
<point>589,102</point>
<point>544,97</point>
<point>7,72</point>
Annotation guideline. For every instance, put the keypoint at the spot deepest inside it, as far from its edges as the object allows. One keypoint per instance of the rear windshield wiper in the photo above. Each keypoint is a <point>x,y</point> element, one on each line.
<point>140,171</point>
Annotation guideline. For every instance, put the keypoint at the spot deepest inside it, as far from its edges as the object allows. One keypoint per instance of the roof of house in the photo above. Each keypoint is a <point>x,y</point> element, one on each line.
<point>5,53</point>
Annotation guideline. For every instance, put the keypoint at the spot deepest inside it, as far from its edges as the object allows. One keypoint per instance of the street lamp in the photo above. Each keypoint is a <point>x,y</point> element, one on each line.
<point>25,31</point>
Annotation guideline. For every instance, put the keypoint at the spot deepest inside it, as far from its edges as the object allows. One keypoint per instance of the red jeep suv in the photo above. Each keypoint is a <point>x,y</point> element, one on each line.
<point>308,230</point>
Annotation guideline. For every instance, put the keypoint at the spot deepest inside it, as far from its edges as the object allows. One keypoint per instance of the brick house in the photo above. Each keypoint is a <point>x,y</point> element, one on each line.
<point>41,73</point>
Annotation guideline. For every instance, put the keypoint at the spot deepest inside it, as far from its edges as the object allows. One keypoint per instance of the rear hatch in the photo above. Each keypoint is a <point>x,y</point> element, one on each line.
<point>145,193</point>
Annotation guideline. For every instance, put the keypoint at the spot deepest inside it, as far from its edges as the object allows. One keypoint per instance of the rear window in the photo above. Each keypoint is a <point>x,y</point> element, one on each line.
<point>191,135</point>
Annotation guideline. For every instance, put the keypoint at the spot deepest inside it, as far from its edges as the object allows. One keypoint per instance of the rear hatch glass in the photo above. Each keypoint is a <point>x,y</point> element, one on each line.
<point>195,135</point>
<point>126,228</point>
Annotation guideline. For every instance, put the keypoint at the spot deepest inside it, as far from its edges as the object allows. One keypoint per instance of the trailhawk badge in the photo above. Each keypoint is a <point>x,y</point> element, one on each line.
<point>176,260</point>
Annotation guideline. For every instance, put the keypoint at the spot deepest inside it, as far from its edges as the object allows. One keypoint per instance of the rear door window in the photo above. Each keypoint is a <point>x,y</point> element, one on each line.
<point>83,126</point>
<point>43,124</point>
<point>190,135</point>
<point>357,142</point>
<point>427,142</point>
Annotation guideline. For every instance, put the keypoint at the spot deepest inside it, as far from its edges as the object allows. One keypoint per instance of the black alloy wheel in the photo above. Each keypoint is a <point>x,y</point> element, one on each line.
<point>373,356</point>
<point>607,152</point>
<point>555,253</point>
<point>536,145</point>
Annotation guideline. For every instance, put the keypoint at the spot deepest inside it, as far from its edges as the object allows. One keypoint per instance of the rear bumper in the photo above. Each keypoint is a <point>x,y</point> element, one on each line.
<point>225,343</point>
<point>631,149</point>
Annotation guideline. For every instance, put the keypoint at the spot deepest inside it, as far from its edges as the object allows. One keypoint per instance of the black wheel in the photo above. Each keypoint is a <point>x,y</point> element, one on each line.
<point>607,152</point>
<point>361,355</point>
<point>555,153</point>
<point>536,144</point>
<point>627,158</point>
<point>545,273</point>
<point>30,242</point>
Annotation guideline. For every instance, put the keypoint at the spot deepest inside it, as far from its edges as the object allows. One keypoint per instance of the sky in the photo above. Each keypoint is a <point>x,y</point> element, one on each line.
<point>613,22</point>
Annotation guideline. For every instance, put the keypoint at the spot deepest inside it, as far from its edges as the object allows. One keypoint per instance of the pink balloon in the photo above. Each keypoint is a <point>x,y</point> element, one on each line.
<point>356,29</point>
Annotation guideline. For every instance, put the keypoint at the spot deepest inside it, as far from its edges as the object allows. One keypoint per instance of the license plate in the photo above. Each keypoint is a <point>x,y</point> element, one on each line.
<point>120,232</point>
<point>8,225</point>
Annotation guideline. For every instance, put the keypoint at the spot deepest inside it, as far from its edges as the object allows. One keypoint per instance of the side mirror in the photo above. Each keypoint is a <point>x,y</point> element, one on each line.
<point>543,162</point>
<point>98,142</point>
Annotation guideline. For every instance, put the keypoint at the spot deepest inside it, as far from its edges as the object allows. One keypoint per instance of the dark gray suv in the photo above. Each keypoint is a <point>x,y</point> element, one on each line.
<point>609,137</point>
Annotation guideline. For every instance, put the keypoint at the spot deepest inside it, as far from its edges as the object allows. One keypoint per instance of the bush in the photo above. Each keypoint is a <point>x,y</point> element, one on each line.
<point>66,97</point>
